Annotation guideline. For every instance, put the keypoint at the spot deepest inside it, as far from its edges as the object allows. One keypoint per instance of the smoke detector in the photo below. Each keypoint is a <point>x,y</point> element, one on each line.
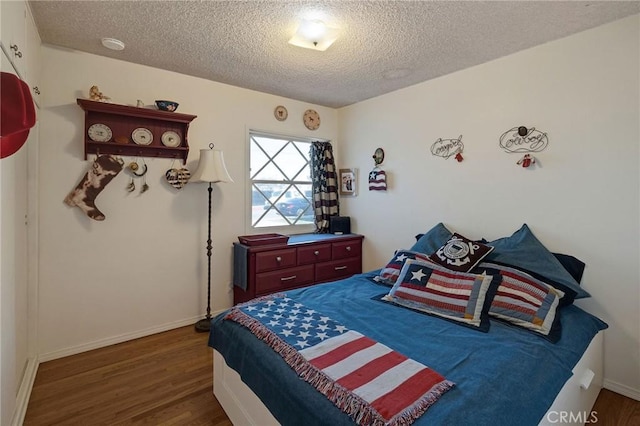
<point>112,43</point>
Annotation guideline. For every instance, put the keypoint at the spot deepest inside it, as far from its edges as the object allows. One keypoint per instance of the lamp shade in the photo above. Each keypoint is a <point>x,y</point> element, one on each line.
<point>211,167</point>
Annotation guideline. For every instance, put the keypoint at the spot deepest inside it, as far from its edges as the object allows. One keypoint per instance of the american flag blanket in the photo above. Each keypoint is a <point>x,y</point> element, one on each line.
<point>370,382</point>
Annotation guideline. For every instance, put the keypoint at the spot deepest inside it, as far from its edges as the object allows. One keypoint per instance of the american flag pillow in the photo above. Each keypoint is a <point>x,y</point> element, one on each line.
<point>525,301</point>
<point>389,274</point>
<point>457,296</point>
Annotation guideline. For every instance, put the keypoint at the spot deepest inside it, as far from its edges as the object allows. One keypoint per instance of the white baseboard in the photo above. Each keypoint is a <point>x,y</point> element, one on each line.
<point>24,392</point>
<point>96,344</point>
<point>622,389</point>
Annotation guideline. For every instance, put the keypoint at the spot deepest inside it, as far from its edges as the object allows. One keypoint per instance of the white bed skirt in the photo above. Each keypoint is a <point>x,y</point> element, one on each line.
<point>572,406</point>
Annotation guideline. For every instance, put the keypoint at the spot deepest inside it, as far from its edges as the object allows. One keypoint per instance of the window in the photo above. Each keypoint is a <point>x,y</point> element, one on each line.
<point>280,179</point>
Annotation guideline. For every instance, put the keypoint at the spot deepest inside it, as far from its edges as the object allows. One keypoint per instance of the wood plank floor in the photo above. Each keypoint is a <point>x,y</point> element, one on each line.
<point>613,409</point>
<point>166,379</point>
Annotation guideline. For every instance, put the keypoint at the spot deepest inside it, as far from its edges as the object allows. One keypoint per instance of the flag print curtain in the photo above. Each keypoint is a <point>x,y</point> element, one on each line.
<point>325,184</point>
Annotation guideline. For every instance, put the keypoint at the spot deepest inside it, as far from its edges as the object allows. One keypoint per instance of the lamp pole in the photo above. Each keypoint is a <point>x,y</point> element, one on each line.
<point>211,169</point>
<point>204,325</point>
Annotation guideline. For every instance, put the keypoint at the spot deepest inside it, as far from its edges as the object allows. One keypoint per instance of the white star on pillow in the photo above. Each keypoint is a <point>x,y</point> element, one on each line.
<point>418,275</point>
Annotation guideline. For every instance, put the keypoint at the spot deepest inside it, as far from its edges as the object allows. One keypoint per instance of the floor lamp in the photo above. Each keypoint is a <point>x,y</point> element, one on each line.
<point>211,169</point>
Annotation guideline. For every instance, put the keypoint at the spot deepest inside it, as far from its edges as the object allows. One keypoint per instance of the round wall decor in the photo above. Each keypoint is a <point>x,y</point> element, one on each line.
<point>170,139</point>
<point>280,113</point>
<point>311,119</point>
<point>142,136</point>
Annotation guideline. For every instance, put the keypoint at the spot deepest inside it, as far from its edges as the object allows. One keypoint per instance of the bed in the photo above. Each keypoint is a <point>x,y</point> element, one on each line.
<point>504,375</point>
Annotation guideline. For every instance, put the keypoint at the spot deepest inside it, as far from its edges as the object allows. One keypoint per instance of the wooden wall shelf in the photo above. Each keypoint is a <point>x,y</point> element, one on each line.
<point>123,120</point>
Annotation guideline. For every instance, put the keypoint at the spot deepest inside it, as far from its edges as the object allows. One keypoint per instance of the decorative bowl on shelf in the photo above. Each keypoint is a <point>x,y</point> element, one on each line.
<point>167,105</point>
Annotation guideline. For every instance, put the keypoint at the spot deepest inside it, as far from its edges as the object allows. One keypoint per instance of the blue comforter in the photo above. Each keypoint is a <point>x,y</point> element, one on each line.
<point>504,377</point>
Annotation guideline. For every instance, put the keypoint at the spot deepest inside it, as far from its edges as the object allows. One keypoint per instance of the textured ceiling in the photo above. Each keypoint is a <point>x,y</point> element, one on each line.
<point>244,43</point>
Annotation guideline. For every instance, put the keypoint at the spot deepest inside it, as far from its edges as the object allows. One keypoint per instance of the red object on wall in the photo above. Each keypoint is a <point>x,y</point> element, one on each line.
<point>17,113</point>
<point>526,161</point>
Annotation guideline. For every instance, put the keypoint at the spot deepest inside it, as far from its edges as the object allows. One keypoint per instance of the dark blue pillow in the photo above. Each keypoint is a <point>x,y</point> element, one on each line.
<point>432,240</point>
<point>523,250</point>
<point>572,264</point>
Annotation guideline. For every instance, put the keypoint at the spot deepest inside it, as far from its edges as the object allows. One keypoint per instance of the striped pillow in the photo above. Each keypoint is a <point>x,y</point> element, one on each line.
<point>389,274</point>
<point>457,296</point>
<point>525,301</point>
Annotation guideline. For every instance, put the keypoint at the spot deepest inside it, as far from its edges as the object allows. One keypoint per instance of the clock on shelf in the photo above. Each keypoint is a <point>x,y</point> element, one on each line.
<point>134,132</point>
<point>311,119</point>
<point>99,132</point>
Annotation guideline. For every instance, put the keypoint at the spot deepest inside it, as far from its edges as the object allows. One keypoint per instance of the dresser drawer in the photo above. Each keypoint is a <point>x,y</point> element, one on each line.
<point>269,282</point>
<point>338,269</point>
<point>344,249</point>
<point>275,259</point>
<point>314,254</point>
<point>303,260</point>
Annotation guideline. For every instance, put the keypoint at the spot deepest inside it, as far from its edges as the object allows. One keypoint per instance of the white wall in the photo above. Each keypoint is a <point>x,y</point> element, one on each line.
<point>583,199</point>
<point>14,320</point>
<point>144,268</point>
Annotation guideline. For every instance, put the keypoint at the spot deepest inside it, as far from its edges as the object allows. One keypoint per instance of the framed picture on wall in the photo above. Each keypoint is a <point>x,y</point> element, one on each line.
<point>348,179</point>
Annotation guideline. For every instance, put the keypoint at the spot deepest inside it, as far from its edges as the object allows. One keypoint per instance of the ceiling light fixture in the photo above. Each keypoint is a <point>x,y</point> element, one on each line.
<point>112,43</point>
<point>314,35</point>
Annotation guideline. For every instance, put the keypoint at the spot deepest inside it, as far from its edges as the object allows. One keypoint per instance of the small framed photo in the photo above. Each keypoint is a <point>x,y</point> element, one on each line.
<point>348,179</point>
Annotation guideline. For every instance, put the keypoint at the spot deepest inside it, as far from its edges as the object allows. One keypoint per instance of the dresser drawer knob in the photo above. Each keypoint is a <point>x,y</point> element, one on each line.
<point>348,248</point>
<point>316,252</point>
<point>278,259</point>
<point>292,277</point>
<point>340,268</point>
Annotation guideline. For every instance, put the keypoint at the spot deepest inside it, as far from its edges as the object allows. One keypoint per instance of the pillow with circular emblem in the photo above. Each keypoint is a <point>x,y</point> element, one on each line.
<point>460,253</point>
